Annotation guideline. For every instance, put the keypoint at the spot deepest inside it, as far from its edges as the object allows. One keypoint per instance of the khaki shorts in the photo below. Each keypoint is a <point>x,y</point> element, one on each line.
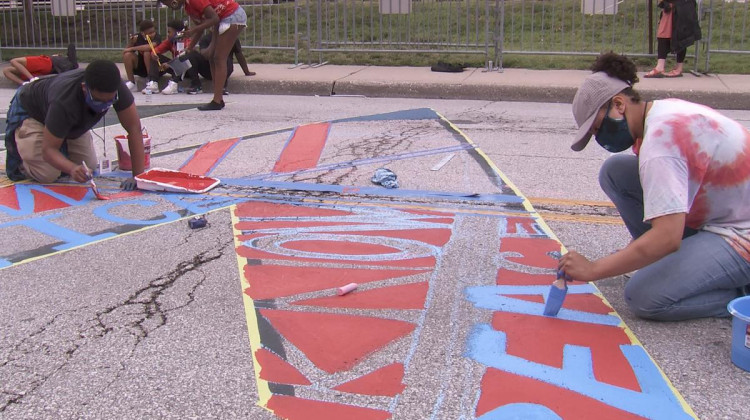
<point>29,139</point>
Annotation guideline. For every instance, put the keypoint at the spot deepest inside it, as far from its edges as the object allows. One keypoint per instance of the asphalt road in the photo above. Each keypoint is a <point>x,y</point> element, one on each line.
<point>168,365</point>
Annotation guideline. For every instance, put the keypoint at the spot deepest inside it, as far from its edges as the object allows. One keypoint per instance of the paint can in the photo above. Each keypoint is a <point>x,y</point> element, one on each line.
<point>123,152</point>
<point>740,310</point>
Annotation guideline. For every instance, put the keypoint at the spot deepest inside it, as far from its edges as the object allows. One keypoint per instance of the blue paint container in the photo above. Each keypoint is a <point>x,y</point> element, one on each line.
<point>740,310</point>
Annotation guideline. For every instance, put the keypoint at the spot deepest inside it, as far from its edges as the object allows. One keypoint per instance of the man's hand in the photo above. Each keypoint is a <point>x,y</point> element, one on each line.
<point>576,267</point>
<point>80,174</point>
<point>129,184</point>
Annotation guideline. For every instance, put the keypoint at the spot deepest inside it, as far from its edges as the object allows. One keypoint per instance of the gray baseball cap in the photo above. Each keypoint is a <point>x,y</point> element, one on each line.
<point>596,90</point>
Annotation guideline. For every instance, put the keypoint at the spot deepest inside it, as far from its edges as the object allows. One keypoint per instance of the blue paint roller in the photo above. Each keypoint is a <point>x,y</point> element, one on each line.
<point>556,295</point>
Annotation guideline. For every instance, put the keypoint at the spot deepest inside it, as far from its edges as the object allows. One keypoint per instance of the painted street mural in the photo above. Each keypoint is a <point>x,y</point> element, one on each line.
<point>446,318</point>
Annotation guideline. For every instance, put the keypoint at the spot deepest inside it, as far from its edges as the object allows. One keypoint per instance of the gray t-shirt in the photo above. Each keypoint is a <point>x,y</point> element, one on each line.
<point>58,102</point>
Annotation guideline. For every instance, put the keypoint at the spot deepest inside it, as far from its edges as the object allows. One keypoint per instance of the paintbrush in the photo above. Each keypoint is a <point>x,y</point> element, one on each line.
<point>92,183</point>
<point>556,295</point>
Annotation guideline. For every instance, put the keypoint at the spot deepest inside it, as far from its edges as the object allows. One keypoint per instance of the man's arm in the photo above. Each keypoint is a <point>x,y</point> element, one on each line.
<point>52,155</point>
<point>664,238</point>
<point>131,122</point>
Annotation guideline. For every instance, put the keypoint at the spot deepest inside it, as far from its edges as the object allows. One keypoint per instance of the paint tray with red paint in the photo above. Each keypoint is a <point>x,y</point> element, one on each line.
<point>159,179</point>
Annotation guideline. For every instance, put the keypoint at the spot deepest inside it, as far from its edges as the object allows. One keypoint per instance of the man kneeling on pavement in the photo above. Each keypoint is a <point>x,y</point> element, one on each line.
<point>49,119</point>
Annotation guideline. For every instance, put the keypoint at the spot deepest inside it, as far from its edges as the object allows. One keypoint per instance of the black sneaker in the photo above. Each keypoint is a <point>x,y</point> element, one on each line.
<point>195,90</point>
<point>212,106</point>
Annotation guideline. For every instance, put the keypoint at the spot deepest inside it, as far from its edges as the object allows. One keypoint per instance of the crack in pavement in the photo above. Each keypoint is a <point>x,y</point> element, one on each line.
<point>139,315</point>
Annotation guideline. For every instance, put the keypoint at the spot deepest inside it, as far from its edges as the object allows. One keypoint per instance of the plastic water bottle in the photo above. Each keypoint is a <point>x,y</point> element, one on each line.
<point>148,96</point>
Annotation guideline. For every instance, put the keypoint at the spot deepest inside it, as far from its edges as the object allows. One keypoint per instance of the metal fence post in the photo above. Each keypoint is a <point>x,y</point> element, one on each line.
<point>498,33</point>
<point>296,33</point>
<point>710,30</point>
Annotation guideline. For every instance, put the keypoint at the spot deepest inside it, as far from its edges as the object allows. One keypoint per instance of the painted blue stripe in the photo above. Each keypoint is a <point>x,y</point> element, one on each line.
<point>302,186</point>
<point>362,162</point>
<point>410,114</point>
<point>493,298</point>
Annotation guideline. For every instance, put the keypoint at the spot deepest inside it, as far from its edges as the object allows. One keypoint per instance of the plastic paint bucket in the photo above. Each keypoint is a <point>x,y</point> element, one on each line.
<point>123,152</point>
<point>740,310</point>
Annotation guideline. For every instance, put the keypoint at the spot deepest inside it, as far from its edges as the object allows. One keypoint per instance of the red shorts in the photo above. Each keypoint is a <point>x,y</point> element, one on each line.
<point>39,65</point>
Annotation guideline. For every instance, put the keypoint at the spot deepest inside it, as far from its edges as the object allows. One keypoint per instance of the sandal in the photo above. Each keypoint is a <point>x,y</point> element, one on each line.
<point>654,74</point>
<point>673,73</point>
<point>212,106</point>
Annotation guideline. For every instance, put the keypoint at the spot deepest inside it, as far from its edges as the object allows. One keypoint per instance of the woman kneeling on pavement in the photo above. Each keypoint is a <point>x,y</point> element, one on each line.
<point>684,196</point>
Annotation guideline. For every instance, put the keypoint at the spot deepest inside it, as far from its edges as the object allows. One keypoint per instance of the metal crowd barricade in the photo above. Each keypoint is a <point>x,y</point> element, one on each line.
<point>725,28</point>
<point>493,28</point>
<point>399,26</point>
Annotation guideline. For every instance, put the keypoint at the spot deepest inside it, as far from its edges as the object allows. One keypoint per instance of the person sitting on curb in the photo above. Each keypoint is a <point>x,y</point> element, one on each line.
<point>136,57</point>
<point>48,122</point>
<point>23,69</point>
<point>683,196</point>
<point>159,66</point>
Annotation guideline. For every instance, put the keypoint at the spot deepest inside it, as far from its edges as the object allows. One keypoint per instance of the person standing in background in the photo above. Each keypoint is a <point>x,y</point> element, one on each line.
<point>225,18</point>
<point>678,29</point>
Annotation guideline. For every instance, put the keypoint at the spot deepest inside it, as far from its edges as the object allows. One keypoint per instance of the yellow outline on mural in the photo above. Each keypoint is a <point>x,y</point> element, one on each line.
<point>264,391</point>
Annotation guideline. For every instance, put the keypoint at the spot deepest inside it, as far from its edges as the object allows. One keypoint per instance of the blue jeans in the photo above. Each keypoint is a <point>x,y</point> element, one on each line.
<point>696,281</point>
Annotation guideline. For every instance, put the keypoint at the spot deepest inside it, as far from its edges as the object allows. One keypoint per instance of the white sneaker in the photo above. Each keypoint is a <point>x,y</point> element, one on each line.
<point>151,87</point>
<point>131,86</point>
<point>171,88</point>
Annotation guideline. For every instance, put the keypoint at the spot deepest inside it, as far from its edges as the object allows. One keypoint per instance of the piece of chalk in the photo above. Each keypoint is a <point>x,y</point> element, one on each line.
<point>346,289</point>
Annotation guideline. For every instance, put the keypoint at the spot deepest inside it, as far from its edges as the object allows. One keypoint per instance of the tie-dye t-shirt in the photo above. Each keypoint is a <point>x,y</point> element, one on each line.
<point>695,160</point>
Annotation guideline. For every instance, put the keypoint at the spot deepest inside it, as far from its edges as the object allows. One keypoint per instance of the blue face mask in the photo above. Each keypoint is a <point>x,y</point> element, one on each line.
<point>98,106</point>
<point>614,135</point>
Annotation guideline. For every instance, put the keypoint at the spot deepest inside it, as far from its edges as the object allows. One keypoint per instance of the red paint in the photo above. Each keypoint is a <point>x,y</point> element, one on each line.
<point>386,381</point>
<point>283,224</point>
<point>178,179</point>
<point>335,342</point>
<point>274,369</point>
<point>75,192</point>
<point>405,296</point>
<point>293,408</point>
<point>583,302</point>
<point>45,202</point>
<point>304,148</point>
<point>552,334</point>
<point>9,198</point>
<point>264,209</point>
<point>207,156</point>
<point>437,237</point>
<point>422,262</point>
<point>534,250</point>
<point>441,220</point>
<point>507,277</point>
<point>523,225</point>
<point>125,194</point>
<point>340,247</point>
<point>502,388</point>
<point>429,213</point>
<point>274,281</point>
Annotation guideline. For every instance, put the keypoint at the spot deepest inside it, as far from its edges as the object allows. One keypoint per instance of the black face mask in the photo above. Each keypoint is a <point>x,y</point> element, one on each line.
<point>98,106</point>
<point>614,135</point>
